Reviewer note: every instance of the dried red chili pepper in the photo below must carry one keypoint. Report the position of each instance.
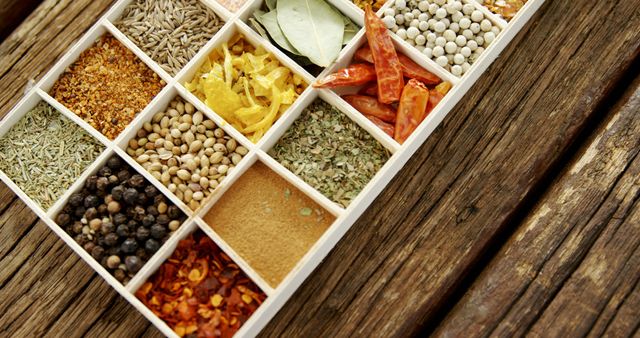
(388, 128)
(370, 106)
(385, 58)
(411, 110)
(354, 75)
(436, 95)
(370, 89)
(410, 69)
(199, 290)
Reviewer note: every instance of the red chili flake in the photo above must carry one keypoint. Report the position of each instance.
(200, 292)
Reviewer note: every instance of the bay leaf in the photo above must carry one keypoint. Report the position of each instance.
(350, 30)
(258, 27)
(271, 4)
(313, 27)
(270, 22)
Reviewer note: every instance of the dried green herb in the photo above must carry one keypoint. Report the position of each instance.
(330, 152)
(44, 153)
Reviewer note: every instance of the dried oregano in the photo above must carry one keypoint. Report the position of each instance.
(330, 152)
(44, 153)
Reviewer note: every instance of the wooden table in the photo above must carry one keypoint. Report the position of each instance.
(520, 215)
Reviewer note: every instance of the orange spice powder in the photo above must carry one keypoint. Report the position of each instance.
(268, 222)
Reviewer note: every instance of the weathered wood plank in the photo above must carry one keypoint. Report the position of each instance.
(13, 12)
(571, 268)
(402, 259)
(46, 288)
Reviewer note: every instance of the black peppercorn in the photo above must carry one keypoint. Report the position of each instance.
(148, 220)
(88, 246)
(136, 181)
(91, 201)
(119, 219)
(129, 246)
(104, 172)
(114, 163)
(113, 179)
(142, 199)
(77, 227)
(90, 184)
(123, 176)
(111, 239)
(142, 233)
(159, 199)
(132, 224)
(97, 252)
(108, 227)
(151, 245)
(102, 183)
(150, 191)
(173, 212)
(79, 211)
(80, 239)
(153, 210)
(117, 192)
(102, 209)
(122, 230)
(130, 196)
(76, 199)
(133, 263)
(163, 219)
(63, 219)
(91, 213)
(158, 231)
(120, 275)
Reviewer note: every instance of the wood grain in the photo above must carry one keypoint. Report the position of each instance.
(574, 264)
(13, 12)
(406, 255)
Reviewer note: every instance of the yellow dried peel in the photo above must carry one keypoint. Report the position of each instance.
(246, 86)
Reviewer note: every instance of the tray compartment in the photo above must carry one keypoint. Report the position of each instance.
(199, 289)
(311, 69)
(105, 85)
(269, 222)
(180, 140)
(315, 149)
(453, 37)
(44, 152)
(119, 217)
(253, 103)
(169, 32)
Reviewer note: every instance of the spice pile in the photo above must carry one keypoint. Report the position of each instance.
(310, 31)
(107, 86)
(44, 153)
(451, 33)
(187, 152)
(375, 4)
(246, 86)
(269, 222)
(200, 292)
(119, 218)
(396, 108)
(232, 5)
(170, 31)
(330, 152)
(506, 9)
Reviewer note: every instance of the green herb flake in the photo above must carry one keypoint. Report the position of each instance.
(306, 211)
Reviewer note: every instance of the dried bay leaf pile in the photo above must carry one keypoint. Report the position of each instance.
(311, 31)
